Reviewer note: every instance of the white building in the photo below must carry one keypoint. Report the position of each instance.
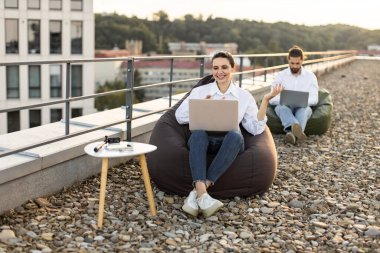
(36, 30)
(373, 47)
(109, 70)
(186, 48)
(159, 71)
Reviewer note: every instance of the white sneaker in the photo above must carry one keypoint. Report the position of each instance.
(208, 205)
(191, 206)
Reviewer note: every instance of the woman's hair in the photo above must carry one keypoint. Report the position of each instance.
(296, 51)
(226, 55)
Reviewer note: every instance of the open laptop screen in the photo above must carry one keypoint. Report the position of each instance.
(294, 98)
(213, 115)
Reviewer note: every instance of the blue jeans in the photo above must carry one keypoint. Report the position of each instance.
(226, 148)
(290, 115)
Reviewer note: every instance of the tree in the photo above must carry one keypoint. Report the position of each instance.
(251, 36)
(110, 101)
(161, 23)
(119, 99)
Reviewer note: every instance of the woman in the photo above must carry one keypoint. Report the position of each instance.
(226, 147)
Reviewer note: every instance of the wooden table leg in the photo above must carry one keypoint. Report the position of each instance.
(148, 187)
(102, 195)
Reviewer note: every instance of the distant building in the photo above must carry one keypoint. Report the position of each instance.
(109, 70)
(375, 47)
(134, 46)
(372, 50)
(185, 48)
(32, 30)
(159, 71)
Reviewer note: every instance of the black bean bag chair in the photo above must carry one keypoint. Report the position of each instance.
(319, 122)
(252, 172)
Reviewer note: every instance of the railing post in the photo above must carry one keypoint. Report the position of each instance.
(68, 95)
(202, 67)
(171, 79)
(254, 73)
(241, 70)
(265, 72)
(129, 97)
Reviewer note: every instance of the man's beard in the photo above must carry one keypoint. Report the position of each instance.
(295, 70)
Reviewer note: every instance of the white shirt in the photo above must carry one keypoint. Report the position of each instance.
(306, 81)
(247, 105)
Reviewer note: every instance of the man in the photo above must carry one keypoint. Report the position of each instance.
(295, 77)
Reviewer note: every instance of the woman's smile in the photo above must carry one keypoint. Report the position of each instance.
(222, 71)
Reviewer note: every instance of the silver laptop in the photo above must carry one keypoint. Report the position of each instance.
(294, 98)
(213, 115)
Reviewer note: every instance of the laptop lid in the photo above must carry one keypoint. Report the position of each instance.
(294, 98)
(213, 115)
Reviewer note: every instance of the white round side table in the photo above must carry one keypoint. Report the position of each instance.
(139, 149)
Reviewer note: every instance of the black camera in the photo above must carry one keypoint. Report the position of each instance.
(107, 140)
(112, 140)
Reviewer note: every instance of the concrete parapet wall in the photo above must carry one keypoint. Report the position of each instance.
(47, 169)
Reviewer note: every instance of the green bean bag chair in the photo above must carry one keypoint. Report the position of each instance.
(319, 122)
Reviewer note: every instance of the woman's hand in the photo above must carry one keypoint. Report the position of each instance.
(274, 92)
(264, 103)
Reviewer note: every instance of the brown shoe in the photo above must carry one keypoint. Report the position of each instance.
(297, 131)
(290, 138)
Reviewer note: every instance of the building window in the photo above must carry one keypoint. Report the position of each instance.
(33, 4)
(76, 37)
(55, 37)
(11, 36)
(76, 112)
(34, 118)
(34, 81)
(13, 82)
(11, 4)
(55, 4)
(55, 81)
(55, 115)
(76, 80)
(13, 121)
(76, 5)
(34, 36)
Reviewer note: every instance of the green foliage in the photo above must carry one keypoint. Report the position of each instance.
(111, 30)
(119, 99)
(110, 101)
(251, 36)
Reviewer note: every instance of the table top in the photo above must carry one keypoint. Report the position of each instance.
(138, 149)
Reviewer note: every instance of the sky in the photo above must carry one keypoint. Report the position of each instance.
(361, 13)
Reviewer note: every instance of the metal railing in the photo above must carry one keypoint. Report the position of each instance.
(130, 88)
